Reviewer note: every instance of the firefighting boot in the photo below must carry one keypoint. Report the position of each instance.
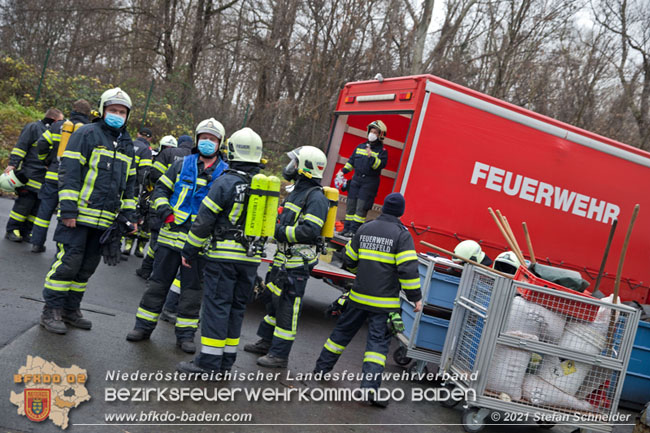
(168, 316)
(52, 321)
(138, 335)
(128, 245)
(14, 236)
(261, 347)
(373, 399)
(76, 319)
(139, 248)
(38, 249)
(186, 346)
(272, 361)
(191, 367)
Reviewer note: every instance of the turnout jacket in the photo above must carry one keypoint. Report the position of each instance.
(382, 255)
(221, 216)
(24, 156)
(142, 159)
(300, 223)
(167, 157)
(170, 198)
(362, 165)
(48, 145)
(97, 176)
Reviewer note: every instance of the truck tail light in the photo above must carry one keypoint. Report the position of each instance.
(405, 96)
(349, 99)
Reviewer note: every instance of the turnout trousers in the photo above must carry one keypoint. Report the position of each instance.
(361, 197)
(77, 257)
(280, 325)
(379, 336)
(49, 199)
(23, 213)
(228, 288)
(166, 264)
(147, 262)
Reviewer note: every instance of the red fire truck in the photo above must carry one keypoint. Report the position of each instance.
(454, 152)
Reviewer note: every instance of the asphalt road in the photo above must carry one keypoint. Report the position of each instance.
(111, 299)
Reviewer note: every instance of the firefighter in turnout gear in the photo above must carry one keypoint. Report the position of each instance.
(367, 161)
(230, 272)
(383, 257)
(48, 148)
(30, 171)
(298, 237)
(97, 177)
(143, 162)
(177, 197)
(171, 151)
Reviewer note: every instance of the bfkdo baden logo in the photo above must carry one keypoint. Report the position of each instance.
(50, 392)
(37, 404)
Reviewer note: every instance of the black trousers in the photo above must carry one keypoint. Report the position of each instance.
(166, 264)
(77, 257)
(280, 325)
(228, 287)
(23, 213)
(49, 197)
(377, 343)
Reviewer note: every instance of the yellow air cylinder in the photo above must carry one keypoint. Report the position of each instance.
(66, 131)
(332, 195)
(256, 206)
(272, 201)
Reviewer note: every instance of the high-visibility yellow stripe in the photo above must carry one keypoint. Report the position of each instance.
(292, 207)
(17, 217)
(376, 256)
(405, 256)
(333, 347)
(166, 181)
(210, 204)
(374, 301)
(411, 284)
(349, 251)
(284, 334)
(313, 218)
(375, 357)
(18, 152)
(212, 342)
(147, 315)
(41, 222)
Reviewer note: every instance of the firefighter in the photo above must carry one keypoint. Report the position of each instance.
(471, 250)
(30, 170)
(177, 197)
(171, 150)
(97, 177)
(298, 236)
(48, 147)
(230, 273)
(143, 162)
(367, 161)
(383, 257)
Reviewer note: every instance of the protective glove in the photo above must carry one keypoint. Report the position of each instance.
(280, 233)
(110, 243)
(340, 180)
(111, 240)
(337, 307)
(395, 323)
(169, 219)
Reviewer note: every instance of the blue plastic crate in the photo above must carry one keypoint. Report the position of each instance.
(432, 331)
(443, 289)
(636, 388)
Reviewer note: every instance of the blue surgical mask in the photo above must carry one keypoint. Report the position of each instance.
(207, 147)
(114, 121)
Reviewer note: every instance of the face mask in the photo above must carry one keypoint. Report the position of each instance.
(114, 121)
(372, 137)
(207, 147)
